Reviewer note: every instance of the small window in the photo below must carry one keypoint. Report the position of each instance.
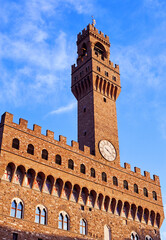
(58, 160)
(85, 133)
(104, 177)
(154, 195)
(114, 78)
(125, 185)
(82, 207)
(63, 222)
(83, 226)
(82, 169)
(71, 164)
(15, 143)
(145, 192)
(84, 109)
(45, 154)
(30, 149)
(16, 209)
(115, 181)
(135, 188)
(98, 69)
(40, 216)
(104, 99)
(106, 73)
(93, 173)
(15, 236)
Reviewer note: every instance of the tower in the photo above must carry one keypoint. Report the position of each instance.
(96, 86)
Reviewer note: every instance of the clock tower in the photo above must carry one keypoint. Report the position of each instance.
(96, 86)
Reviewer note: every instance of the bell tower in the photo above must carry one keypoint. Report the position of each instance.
(96, 86)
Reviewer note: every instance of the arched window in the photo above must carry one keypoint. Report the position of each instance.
(58, 159)
(154, 195)
(63, 222)
(134, 236)
(93, 173)
(71, 164)
(8, 174)
(83, 226)
(135, 188)
(99, 49)
(15, 143)
(115, 181)
(30, 149)
(41, 215)
(104, 177)
(17, 208)
(82, 169)
(145, 192)
(45, 154)
(148, 238)
(125, 184)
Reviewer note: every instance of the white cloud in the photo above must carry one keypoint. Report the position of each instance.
(64, 109)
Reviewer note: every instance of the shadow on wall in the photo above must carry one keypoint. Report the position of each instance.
(8, 233)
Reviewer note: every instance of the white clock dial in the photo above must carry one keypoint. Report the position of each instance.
(107, 150)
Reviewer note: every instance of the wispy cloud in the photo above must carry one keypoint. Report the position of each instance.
(64, 109)
(34, 53)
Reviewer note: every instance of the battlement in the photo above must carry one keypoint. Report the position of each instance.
(7, 119)
(114, 67)
(91, 29)
(137, 172)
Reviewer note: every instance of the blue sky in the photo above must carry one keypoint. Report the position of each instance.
(37, 49)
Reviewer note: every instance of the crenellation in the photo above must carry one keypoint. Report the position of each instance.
(23, 123)
(86, 149)
(62, 139)
(7, 118)
(36, 129)
(127, 166)
(50, 134)
(147, 174)
(156, 179)
(137, 170)
(75, 145)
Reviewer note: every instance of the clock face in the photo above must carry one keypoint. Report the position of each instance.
(107, 150)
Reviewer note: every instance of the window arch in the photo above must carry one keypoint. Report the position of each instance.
(134, 236)
(17, 208)
(8, 174)
(154, 195)
(30, 149)
(125, 185)
(83, 227)
(145, 192)
(16, 143)
(58, 159)
(148, 238)
(104, 177)
(71, 164)
(135, 188)
(92, 173)
(115, 181)
(82, 168)
(41, 215)
(63, 221)
(45, 154)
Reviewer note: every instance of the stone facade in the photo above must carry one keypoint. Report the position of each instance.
(65, 184)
